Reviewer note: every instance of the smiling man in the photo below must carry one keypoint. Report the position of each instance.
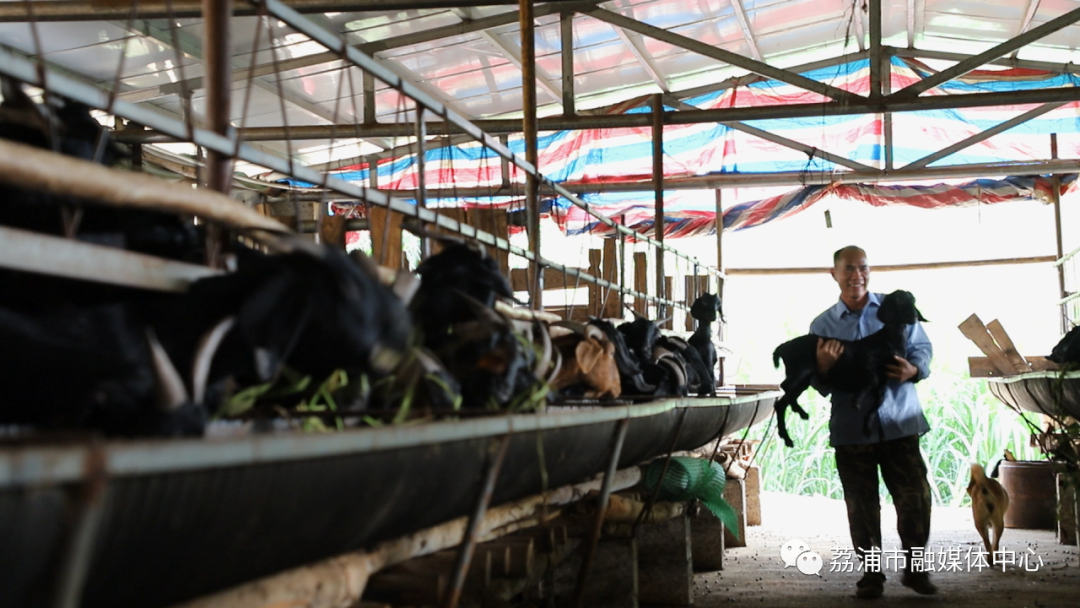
(893, 444)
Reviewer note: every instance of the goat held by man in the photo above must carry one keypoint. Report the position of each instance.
(860, 368)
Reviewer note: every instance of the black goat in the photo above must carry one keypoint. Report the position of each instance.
(860, 368)
(1067, 350)
(446, 280)
(630, 372)
(314, 310)
(663, 368)
(705, 310)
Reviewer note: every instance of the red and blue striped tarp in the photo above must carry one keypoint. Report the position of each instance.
(619, 155)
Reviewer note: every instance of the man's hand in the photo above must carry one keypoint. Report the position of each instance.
(900, 369)
(828, 352)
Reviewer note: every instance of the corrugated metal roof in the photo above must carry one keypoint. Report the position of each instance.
(478, 73)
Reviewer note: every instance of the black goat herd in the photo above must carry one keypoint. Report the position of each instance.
(308, 328)
(301, 329)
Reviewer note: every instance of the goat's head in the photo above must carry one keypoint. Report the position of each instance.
(899, 307)
(706, 308)
(641, 335)
(588, 359)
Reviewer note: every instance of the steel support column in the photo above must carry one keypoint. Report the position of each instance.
(658, 193)
(528, 125)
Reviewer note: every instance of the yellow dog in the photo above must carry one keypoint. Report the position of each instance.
(989, 501)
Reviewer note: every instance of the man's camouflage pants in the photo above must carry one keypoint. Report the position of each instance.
(904, 472)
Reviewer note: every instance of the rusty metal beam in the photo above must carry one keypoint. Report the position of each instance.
(967, 65)
(96, 10)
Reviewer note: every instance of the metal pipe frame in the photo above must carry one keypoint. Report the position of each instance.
(89, 10)
(622, 121)
(368, 48)
(22, 69)
(644, 515)
(528, 126)
(787, 178)
(217, 20)
(472, 529)
(965, 66)
(66, 463)
(758, 67)
(658, 192)
(337, 43)
(601, 508)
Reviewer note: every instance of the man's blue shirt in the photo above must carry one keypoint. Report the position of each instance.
(900, 414)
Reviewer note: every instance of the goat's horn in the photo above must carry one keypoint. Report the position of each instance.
(545, 355)
(170, 387)
(482, 311)
(204, 356)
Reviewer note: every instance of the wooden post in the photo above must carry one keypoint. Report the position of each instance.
(595, 295)
(668, 290)
(641, 281)
(493, 221)
(332, 231)
(612, 304)
(385, 227)
(720, 237)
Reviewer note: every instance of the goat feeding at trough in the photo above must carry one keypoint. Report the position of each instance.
(589, 362)
(860, 370)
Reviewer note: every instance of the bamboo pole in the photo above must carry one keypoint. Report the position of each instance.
(42, 170)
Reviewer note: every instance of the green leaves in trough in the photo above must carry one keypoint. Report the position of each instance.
(693, 479)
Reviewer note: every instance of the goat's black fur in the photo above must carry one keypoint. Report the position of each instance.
(1067, 350)
(669, 376)
(860, 368)
(705, 310)
(458, 269)
(641, 335)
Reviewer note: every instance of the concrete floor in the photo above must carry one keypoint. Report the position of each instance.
(756, 575)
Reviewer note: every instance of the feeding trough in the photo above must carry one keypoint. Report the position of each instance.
(152, 523)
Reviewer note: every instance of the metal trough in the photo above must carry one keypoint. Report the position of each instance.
(1054, 393)
(152, 523)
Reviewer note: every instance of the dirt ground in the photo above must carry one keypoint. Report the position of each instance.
(756, 574)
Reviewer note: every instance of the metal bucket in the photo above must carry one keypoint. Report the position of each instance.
(1032, 495)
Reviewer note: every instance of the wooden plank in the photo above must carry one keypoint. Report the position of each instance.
(669, 283)
(1005, 342)
(982, 367)
(553, 279)
(641, 281)
(332, 231)
(612, 304)
(385, 236)
(595, 301)
(973, 328)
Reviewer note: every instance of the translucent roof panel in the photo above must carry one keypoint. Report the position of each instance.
(477, 72)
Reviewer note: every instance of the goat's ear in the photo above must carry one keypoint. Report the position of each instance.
(588, 353)
(919, 315)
